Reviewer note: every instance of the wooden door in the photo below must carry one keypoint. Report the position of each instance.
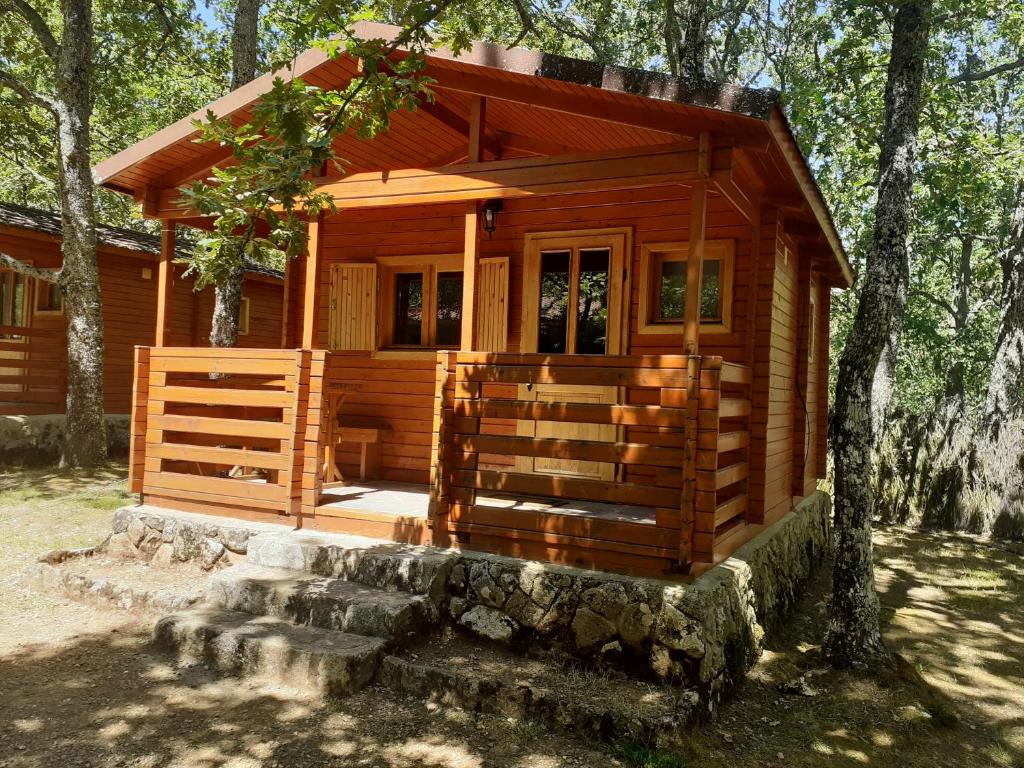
(14, 306)
(574, 292)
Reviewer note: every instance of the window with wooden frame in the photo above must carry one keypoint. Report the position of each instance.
(662, 305)
(243, 316)
(421, 302)
(49, 299)
(14, 293)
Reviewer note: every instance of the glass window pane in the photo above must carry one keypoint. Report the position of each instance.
(409, 308)
(18, 313)
(554, 301)
(592, 311)
(449, 309)
(672, 290)
(710, 291)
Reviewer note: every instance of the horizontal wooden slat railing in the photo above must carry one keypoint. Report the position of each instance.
(230, 442)
(477, 410)
(33, 371)
(721, 501)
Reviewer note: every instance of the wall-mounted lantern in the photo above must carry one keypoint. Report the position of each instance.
(490, 211)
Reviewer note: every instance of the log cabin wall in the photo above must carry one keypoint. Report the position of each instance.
(129, 308)
(404, 396)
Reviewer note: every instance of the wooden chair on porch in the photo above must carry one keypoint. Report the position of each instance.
(367, 433)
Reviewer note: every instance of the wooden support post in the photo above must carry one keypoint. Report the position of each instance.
(165, 281)
(440, 451)
(695, 268)
(285, 302)
(310, 297)
(471, 252)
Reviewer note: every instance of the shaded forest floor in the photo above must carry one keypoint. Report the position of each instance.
(79, 687)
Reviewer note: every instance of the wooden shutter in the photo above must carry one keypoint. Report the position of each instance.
(492, 307)
(353, 320)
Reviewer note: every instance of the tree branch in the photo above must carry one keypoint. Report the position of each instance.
(39, 26)
(972, 77)
(10, 81)
(13, 264)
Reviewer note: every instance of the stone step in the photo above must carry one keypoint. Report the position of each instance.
(318, 660)
(562, 698)
(321, 601)
(387, 566)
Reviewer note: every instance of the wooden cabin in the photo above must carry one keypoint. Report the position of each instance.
(32, 323)
(566, 311)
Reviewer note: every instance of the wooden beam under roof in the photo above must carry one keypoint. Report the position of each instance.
(631, 168)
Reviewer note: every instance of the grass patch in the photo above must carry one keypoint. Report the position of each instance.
(642, 756)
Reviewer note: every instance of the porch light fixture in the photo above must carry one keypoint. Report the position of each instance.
(490, 211)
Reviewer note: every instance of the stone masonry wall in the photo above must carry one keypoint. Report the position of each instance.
(705, 634)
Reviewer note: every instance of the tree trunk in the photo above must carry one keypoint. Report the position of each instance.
(1005, 399)
(686, 48)
(86, 443)
(227, 299)
(854, 634)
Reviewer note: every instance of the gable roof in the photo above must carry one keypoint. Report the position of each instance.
(539, 100)
(49, 223)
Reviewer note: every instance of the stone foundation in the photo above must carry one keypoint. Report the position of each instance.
(705, 634)
(38, 440)
(702, 636)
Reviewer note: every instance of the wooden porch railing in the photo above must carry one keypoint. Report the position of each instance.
(232, 443)
(659, 443)
(33, 371)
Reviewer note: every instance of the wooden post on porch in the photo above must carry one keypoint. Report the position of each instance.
(285, 302)
(691, 346)
(471, 251)
(165, 281)
(310, 298)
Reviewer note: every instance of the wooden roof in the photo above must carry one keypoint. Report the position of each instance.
(537, 103)
(17, 218)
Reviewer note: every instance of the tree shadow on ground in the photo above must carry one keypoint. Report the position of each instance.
(952, 607)
(108, 700)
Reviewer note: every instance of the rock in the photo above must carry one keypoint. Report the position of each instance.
(487, 591)
(636, 625)
(120, 545)
(211, 553)
(613, 647)
(163, 557)
(188, 542)
(679, 632)
(457, 577)
(457, 606)
(508, 582)
(590, 629)
(523, 609)
(153, 521)
(150, 543)
(136, 531)
(170, 529)
(560, 613)
(122, 518)
(542, 590)
(489, 623)
(606, 600)
(235, 539)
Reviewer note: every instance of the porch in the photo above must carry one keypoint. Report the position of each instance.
(495, 451)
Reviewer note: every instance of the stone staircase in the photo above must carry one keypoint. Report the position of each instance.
(311, 613)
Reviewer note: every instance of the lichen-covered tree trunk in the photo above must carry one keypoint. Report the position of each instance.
(79, 276)
(853, 634)
(686, 43)
(1005, 399)
(227, 300)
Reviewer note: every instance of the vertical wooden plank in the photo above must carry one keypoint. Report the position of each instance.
(285, 302)
(469, 270)
(686, 506)
(822, 354)
(492, 335)
(292, 478)
(137, 439)
(801, 376)
(165, 279)
(310, 297)
(695, 268)
(440, 485)
(314, 443)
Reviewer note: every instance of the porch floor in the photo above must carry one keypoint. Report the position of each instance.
(409, 500)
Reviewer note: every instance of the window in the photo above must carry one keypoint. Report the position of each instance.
(573, 292)
(423, 301)
(663, 295)
(48, 297)
(243, 317)
(14, 290)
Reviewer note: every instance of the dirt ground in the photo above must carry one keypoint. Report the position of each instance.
(79, 686)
